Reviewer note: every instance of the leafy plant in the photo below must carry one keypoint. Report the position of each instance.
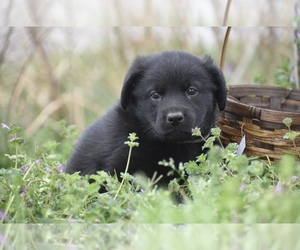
(217, 186)
(291, 135)
(37, 189)
(260, 79)
(284, 75)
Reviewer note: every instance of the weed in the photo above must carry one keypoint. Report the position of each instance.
(218, 186)
(291, 135)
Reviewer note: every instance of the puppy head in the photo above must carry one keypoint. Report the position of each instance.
(173, 92)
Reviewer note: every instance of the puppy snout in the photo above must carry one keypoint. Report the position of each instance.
(175, 118)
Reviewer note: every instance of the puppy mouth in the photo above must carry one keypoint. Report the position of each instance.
(179, 136)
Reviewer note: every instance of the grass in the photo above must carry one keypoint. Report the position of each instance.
(37, 190)
(220, 188)
(153, 236)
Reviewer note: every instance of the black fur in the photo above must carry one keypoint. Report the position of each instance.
(164, 96)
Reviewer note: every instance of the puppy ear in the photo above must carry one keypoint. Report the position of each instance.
(221, 93)
(219, 80)
(134, 74)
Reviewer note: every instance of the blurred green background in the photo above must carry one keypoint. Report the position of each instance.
(68, 60)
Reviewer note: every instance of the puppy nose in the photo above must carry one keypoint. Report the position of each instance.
(175, 118)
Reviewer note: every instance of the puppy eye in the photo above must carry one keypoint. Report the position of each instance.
(155, 96)
(192, 91)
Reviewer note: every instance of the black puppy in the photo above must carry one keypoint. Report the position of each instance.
(164, 97)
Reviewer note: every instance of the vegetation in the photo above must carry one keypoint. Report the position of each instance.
(219, 187)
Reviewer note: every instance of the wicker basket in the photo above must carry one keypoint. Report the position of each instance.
(257, 112)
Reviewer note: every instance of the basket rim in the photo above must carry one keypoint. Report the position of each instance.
(268, 115)
(255, 86)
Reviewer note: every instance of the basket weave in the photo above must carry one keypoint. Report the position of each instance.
(257, 112)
